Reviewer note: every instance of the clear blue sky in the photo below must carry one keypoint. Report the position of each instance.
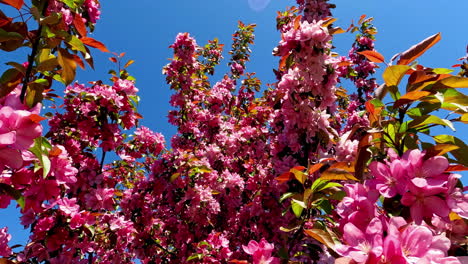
(145, 28)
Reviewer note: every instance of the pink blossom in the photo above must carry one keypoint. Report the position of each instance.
(361, 245)
(92, 6)
(5, 250)
(424, 202)
(260, 252)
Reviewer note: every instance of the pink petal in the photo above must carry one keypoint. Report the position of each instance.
(8, 138)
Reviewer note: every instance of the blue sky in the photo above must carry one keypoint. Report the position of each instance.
(145, 28)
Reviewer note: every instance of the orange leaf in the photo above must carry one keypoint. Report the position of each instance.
(78, 61)
(36, 118)
(361, 19)
(79, 25)
(373, 56)
(297, 22)
(94, 43)
(417, 50)
(344, 63)
(347, 166)
(457, 167)
(410, 97)
(14, 3)
(284, 177)
(130, 62)
(315, 168)
(337, 174)
(439, 149)
(113, 59)
(238, 261)
(299, 168)
(55, 152)
(321, 236)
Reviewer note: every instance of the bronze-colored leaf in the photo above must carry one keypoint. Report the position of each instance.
(410, 97)
(321, 236)
(79, 25)
(417, 50)
(9, 80)
(439, 149)
(94, 43)
(14, 3)
(372, 55)
(68, 65)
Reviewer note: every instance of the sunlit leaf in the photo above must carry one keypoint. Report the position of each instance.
(284, 177)
(439, 149)
(393, 74)
(410, 97)
(417, 50)
(79, 25)
(456, 167)
(372, 55)
(14, 3)
(76, 43)
(321, 236)
(297, 207)
(429, 120)
(461, 154)
(452, 82)
(130, 62)
(337, 174)
(299, 175)
(94, 43)
(68, 65)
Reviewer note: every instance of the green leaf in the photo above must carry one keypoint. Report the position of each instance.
(198, 256)
(76, 43)
(285, 196)
(329, 185)
(41, 150)
(442, 71)
(461, 154)
(297, 207)
(429, 120)
(69, 3)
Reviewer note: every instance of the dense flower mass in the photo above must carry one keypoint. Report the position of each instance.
(307, 173)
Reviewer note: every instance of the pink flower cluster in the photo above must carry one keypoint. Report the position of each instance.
(18, 129)
(422, 184)
(261, 252)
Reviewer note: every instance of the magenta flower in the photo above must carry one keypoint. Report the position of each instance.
(360, 246)
(426, 173)
(5, 250)
(390, 179)
(424, 202)
(260, 252)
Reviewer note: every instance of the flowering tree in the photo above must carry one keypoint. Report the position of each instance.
(308, 172)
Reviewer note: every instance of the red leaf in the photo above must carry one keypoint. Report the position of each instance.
(36, 118)
(373, 56)
(94, 43)
(14, 3)
(299, 168)
(79, 25)
(315, 168)
(113, 59)
(284, 177)
(457, 167)
(78, 61)
(55, 152)
(417, 50)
